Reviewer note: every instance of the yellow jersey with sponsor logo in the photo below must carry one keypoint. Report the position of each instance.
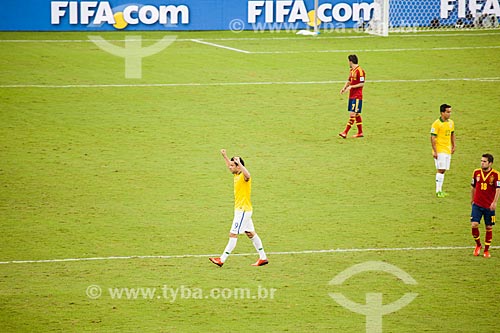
(442, 130)
(242, 191)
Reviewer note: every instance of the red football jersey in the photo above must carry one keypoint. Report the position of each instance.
(356, 75)
(485, 187)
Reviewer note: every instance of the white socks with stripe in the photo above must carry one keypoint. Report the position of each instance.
(231, 244)
(258, 246)
(439, 181)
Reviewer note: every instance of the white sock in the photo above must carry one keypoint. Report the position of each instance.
(257, 242)
(231, 244)
(439, 181)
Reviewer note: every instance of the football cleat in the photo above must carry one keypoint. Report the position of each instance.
(487, 254)
(343, 135)
(441, 194)
(216, 261)
(261, 262)
(359, 135)
(477, 250)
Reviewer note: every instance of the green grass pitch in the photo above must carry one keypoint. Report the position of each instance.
(93, 164)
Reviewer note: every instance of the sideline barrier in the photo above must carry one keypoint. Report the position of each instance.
(234, 15)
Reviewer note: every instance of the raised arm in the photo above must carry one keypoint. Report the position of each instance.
(244, 170)
(226, 159)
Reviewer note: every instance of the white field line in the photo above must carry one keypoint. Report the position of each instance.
(419, 34)
(384, 50)
(219, 46)
(181, 256)
(318, 38)
(225, 84)
(204, 41)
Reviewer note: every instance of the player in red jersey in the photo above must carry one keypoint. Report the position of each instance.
(484, 196)
(354, 85)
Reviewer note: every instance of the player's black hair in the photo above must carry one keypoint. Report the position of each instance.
(353, 58)
(443, 107)
(241, 160)
(489, 157)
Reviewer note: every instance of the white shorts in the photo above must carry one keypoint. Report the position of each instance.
(443, 161)
(242, 222)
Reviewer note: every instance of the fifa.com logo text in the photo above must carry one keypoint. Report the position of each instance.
(173, 294)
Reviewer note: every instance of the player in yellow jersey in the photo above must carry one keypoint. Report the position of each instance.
(443, 145)
(242, 222)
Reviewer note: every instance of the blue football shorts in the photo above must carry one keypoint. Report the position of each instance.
(478, 212)
(355, 105)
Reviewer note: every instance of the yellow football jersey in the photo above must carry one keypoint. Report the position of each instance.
(242, 191)
(442, 130)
